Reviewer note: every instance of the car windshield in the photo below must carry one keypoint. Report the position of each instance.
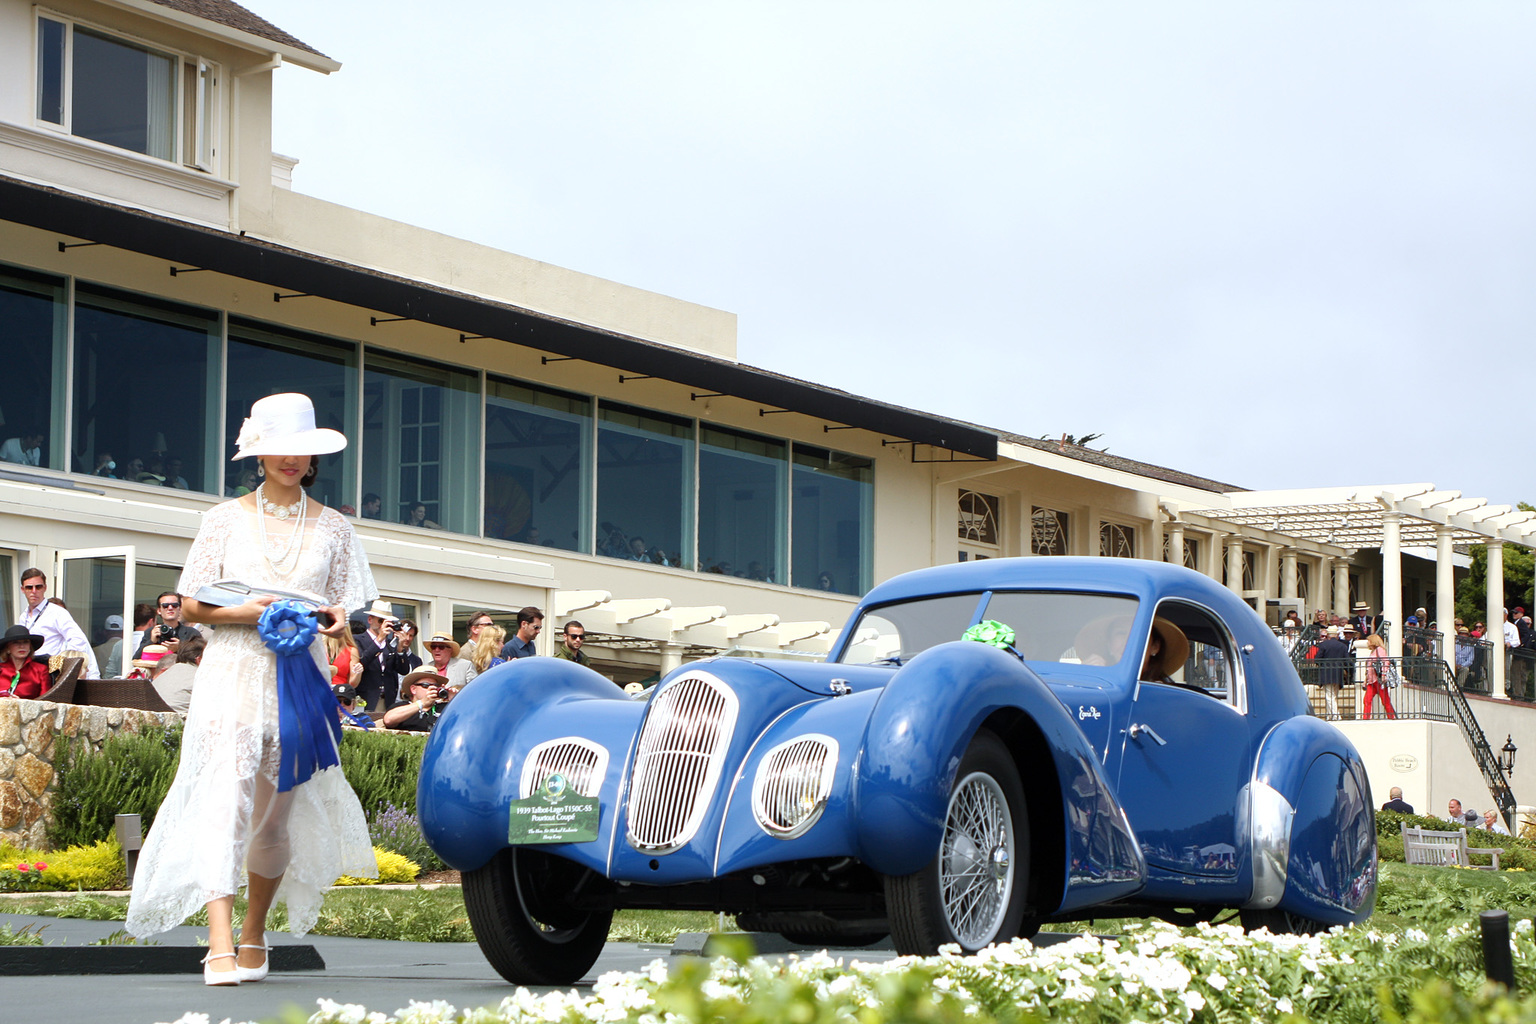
(1070, 628)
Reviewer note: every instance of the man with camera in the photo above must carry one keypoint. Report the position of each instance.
(381, 657)
(170, 630)
(429, 694)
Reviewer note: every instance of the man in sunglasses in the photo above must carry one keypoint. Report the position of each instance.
(59, 630)
(170, 630)
(570, 644)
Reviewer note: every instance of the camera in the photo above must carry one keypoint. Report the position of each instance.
(164, 633)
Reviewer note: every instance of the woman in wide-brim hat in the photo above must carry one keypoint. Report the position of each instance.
(224, 819)
(22, 675)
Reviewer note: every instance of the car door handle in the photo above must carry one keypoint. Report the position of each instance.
(1137, 729)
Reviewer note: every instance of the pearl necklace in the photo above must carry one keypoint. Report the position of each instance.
(273, 508)
(288, 558)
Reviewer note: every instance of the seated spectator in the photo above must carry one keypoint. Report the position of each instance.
(1493, 823)
(22, 675)
(429, 692)
(143, 616)
(416, 515)
(26, 450)
(349, 707)
(173, 477)
(144, 664)
(487, 651)
(244, 484)
(111, 632)
(105, 465)
(372, 506)
(154, 472)
(175, 673)
(456, 672)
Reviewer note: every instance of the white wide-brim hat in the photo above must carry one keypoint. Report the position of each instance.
(285, 425)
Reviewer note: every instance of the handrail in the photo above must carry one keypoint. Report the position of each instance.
(1487, 761)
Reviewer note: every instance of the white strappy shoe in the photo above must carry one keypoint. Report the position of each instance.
(213, 977)
(254, 973)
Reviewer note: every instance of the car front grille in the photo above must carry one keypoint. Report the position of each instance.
(678, 761)
(582, 763)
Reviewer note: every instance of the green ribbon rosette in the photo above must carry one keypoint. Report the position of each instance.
(988, 632)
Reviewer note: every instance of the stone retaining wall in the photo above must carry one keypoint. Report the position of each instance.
(28, 743)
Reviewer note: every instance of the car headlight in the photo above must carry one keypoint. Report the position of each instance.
(793, 782)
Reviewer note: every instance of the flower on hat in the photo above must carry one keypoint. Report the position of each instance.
(250, 433)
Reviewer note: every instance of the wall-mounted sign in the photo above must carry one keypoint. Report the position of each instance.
(1404, 763)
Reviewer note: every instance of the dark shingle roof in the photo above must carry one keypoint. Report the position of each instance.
(232, 15)
(1108, 461)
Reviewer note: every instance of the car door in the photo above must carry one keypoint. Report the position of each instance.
(1186, 757)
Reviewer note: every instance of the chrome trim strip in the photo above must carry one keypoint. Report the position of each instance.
(1271, 816)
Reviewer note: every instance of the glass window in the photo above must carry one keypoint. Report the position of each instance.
(978, 517)
(832, 520)
(896, 633)
(462, 613)
(644, 486)
(123, 95)
(538, 485)
(146, 388)
(1191, 554)
(1086, 629)
(265, 360)
(50, 70)
(1048, 532)
(1117, 540)
(743, 504)
(421, 436)
(35, 319)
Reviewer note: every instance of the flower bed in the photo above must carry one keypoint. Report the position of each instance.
(1155, 972)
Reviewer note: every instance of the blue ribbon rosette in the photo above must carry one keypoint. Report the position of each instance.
(308, 728)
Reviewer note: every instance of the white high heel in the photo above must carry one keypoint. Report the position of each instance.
(213, 977)
(254, 973)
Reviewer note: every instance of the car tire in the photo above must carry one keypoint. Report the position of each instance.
(986, 839)
(519, 908)
(1280, 922)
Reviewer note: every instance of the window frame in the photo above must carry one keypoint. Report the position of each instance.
(195, 146)
(1237, 681)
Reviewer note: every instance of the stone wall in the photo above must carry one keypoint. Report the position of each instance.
(29, 732)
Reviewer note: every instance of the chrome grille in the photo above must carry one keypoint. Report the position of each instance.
(793, 783)
(582, 762)
(678, 761)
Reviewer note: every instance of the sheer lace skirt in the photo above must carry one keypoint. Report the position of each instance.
(202, 835)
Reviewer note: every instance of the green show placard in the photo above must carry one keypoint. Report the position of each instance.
(555, 814)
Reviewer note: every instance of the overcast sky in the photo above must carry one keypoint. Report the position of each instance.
(1279, 246)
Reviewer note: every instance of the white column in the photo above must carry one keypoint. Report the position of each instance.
(1392, 579)
(1493, 614)
(1445, 594)
(1235, 565)
(1176, 543)
(1340, 570)
(1287, 572)
(671, 657)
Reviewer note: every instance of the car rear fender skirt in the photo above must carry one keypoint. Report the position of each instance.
(470, 768)
(919, 730)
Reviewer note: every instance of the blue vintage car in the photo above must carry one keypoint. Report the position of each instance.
(1118, 738)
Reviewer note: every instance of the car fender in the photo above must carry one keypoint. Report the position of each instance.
(471, 766)
(1313, 827)
(918, 731)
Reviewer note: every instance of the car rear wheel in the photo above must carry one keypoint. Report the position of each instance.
(973, 891)
(1280, 922)
(519, 907)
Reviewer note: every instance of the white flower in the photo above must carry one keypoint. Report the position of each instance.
(1217, 982)
(1284, 1005)
(191, 1018)
(250, 433)
(1079, 993)
(1194, 1000)
(1416, 935)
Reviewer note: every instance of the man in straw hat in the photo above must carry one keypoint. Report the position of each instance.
(446, 661)
(428, 693)
(380, 653)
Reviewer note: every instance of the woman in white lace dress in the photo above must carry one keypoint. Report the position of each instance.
(224, 817)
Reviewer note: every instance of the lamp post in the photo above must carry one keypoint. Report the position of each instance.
(1507, 756)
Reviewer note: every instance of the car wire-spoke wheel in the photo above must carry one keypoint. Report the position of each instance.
(973, 891)
(976, 860)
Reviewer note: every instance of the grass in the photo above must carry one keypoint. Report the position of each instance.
(410, 915)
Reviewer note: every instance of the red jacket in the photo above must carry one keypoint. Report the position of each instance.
(32, 684)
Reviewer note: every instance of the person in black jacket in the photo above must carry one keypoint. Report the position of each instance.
(381, 657)
(1333, 652)
(1397, 803)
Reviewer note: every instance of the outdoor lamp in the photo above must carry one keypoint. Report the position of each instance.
(1507, 756)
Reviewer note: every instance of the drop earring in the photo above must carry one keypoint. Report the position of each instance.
(261, 470)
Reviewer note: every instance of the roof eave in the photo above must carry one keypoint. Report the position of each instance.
(236, 37)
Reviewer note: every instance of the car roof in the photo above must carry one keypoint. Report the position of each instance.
(1134, 576)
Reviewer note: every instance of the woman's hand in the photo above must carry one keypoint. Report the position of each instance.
(338, 621)
(355, 673)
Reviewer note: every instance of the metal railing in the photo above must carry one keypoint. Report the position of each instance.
(1520, 674)
(1474, 676)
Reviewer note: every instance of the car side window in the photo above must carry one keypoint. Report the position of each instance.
(1208, 666)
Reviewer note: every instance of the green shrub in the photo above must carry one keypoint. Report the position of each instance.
(1518, 852)
(130, 775)
(397, 829)
(382, 768)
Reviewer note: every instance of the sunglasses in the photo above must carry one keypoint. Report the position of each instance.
(34, 586)
(575, 636)
(168, 604)
(438, 647)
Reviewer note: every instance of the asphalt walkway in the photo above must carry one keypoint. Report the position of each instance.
(379, 974)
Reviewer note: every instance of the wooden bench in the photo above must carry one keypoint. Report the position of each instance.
(1445, 849)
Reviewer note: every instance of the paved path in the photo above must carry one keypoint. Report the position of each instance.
(379, 974)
